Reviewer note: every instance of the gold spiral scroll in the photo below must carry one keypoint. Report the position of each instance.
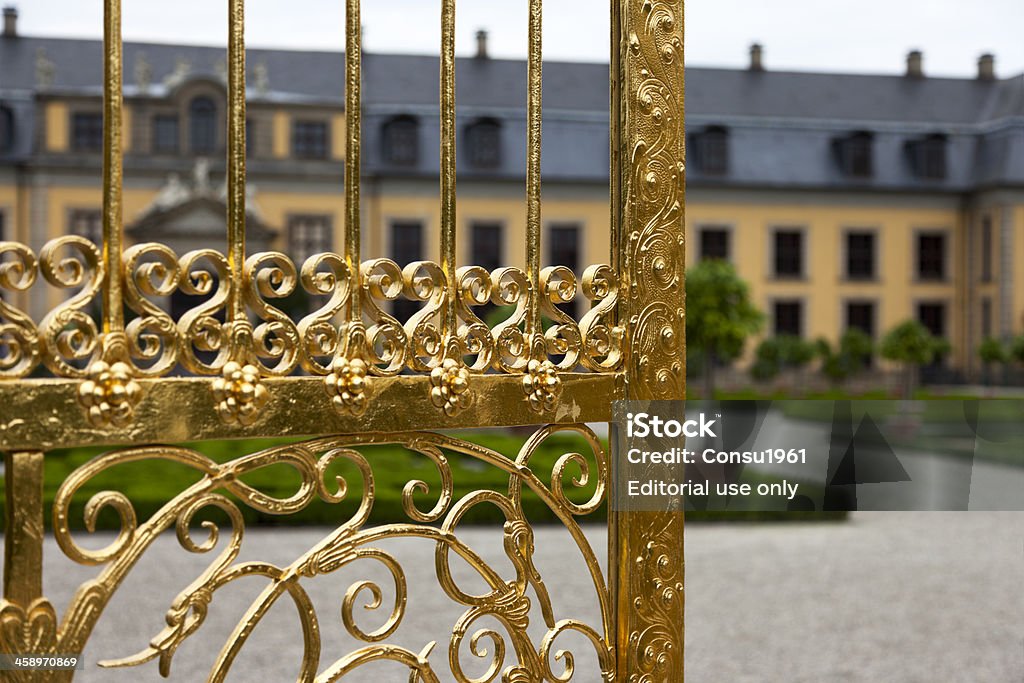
(20, 346)
(501, 593)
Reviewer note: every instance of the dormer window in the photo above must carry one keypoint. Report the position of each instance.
(483, 140)
(854, 154)
(87, 131)
(401, 141)
(927, 157)
(6, 129)
(203, 115)
(711, 150)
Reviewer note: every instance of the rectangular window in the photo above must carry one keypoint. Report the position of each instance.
(931, 256)
(406, 242)
(565, 245)
(309, 139)
(933, 317)
(986, 318)
(487, 243)
(308, 235)
(788, 317)
(860, 255)
(789, 253)
(565, 251)
(714, 244)
(986, 249)
(860, 315)
(87, 132)
(87, 223)
(165, 134)
(406, 248)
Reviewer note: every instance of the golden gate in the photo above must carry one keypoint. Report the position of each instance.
(349, 374)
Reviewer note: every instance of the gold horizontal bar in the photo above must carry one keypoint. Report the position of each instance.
(175, 410)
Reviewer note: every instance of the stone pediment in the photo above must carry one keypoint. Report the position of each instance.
(197, 217)
(194, 214)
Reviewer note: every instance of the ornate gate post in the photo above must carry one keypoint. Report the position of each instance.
(648, 174)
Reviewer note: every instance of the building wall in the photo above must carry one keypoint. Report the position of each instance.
(57, 184)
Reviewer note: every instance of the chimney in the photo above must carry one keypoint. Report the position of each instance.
(756, 57)
(987, 68)
(10, 21)
(481, 44)
(915, 64)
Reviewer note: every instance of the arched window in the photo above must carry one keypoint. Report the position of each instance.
(401, 141)
(483, 141)
(6, 129)
(203, 118)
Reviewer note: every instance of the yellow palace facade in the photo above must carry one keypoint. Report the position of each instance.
(843, 200)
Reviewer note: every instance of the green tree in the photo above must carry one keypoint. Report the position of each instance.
(719, 316)
(992, 352)
(1017, 349)
(851, 356)
(785, 352)
(912, 345)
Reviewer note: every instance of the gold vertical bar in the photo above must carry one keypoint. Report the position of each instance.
(23, 521)
(113, 219)
(353, 110)
(236, 154)
(616, 520)
(646, 548)
(533, 135)
(448, 237)
(615, 142)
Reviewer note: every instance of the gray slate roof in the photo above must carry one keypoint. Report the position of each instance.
(769, 113)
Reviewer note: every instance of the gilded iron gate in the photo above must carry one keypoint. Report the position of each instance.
(349, 374)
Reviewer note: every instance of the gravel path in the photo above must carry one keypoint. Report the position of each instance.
(885, 597)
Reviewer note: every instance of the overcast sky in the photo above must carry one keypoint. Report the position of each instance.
(831, 35)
